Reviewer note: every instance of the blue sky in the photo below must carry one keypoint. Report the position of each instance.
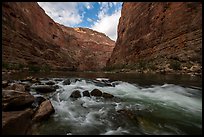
(99, 16)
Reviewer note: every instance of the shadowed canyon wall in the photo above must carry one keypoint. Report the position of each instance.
(158, 35)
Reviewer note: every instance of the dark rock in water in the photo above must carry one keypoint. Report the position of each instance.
(4, 84)
(16, 100)
(86, 93)
(38, 101)
(128, 114)
(75, 94)
(44, 88)
(27, 87)
(50, 83)
(35, 80)
(16, 86)
(66, 82)
(56, 87)
(58, 79)
(96, 93)
(44, 111)
(107, 95)
(16, 122)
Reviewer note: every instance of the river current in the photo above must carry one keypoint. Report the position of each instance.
(150, 104)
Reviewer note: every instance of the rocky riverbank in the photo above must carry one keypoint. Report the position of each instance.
(20, 109)
(25, 102)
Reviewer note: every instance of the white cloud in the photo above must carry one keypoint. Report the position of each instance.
(108, 24)
(66, 13)
(72, 13)
(88, 5)
(90, 20)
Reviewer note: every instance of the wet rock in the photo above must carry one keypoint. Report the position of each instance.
(58, 79)
(44, 111)
(4, 84)
(16, 122)
(50, 83)
(86, 93)
(131, 115)
(75, 94)
(44, 88)
(96, 92)
(107, 95)
(27, 87)
(16, 100)
(27, 79)
(16, 86)
(56, 87)
(37, 101)
(35, 80)
(66, 82)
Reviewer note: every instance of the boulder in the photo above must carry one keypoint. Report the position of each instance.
(196, 68)
(107, 95)
(75, 94)
(16, 100)
(50, 83)
(16, 122)
(44, 88)
(96, 92)
(16, 86)
(4, 84)
(86, 93)
(66, 82)
(38, 101)
(44, 111)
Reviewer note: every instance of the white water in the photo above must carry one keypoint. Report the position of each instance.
(161, 109)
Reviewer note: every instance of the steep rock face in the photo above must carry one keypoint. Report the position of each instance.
(90, 48)
(30, 37)
(156, 34)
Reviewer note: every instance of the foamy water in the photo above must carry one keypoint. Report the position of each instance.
(159, 109)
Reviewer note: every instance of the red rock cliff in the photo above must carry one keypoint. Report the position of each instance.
(156, 34)
(30, 37)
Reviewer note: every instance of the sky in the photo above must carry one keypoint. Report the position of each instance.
(100, 16)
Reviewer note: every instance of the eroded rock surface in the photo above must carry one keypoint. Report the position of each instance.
(152, 35)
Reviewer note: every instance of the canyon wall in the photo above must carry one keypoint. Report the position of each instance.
(31, 38)
(159, 36)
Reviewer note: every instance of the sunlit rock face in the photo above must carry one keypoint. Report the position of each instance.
(30, 37)
(158, 33)
(90, 48)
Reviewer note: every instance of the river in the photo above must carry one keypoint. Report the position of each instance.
(153, 104)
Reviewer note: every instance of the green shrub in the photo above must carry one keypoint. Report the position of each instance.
(175, 65)
(46, 68)
(142, 64)
(33, 68)
(11, 66)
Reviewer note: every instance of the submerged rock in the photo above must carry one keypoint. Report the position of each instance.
(107, 95)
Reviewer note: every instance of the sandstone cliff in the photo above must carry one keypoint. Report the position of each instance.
(159, 36)
(30, 37)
